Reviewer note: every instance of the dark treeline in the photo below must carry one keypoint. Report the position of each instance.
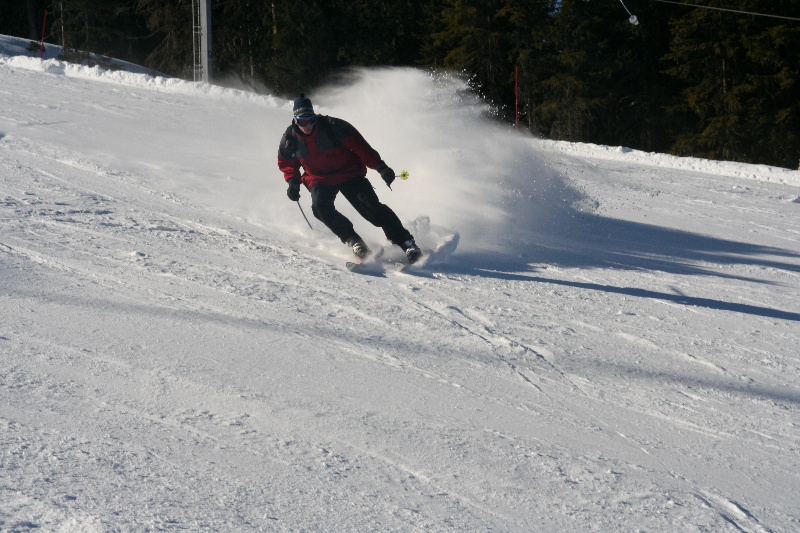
(688, 81)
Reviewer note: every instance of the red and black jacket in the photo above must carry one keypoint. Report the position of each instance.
(333, 153)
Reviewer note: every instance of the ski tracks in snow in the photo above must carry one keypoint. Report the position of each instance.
(731, 512)
(460, 310)
(173, 366)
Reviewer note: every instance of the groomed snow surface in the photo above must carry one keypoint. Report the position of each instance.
(601, 339)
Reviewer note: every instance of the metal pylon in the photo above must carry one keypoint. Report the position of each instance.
(197, 38)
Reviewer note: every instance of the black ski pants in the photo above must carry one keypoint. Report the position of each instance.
(361, 195)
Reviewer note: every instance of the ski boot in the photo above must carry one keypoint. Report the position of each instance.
(413, 253)
(359, 246)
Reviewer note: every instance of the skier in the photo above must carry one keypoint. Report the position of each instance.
(335, 157)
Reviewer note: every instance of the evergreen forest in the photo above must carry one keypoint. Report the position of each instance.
(718, 79)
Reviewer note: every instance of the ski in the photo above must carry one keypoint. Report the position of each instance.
(352, 265)
(398, 265)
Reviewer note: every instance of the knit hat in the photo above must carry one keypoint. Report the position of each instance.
(302, 106)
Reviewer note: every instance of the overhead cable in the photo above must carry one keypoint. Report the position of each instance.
(729, 10)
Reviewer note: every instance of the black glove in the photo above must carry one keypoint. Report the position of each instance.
(386, 173)
(293, 192)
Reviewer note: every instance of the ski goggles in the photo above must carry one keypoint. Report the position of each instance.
(306, 121)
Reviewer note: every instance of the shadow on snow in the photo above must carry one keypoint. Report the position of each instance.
(591, 241)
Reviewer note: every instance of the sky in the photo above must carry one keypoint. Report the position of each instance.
(599, 339)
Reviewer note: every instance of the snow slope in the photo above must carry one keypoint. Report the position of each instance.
(612, 346)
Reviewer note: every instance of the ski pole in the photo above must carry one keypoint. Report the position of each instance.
(304, 215)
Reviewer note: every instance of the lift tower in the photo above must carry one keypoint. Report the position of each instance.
(201, 39)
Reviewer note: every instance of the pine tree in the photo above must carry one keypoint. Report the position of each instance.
(241, 35)
(741, 93)
(22, 19)
(375, 32)
(302, 43)
(475, 40)
(593, 72)
(88, 29)
(170, 24)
